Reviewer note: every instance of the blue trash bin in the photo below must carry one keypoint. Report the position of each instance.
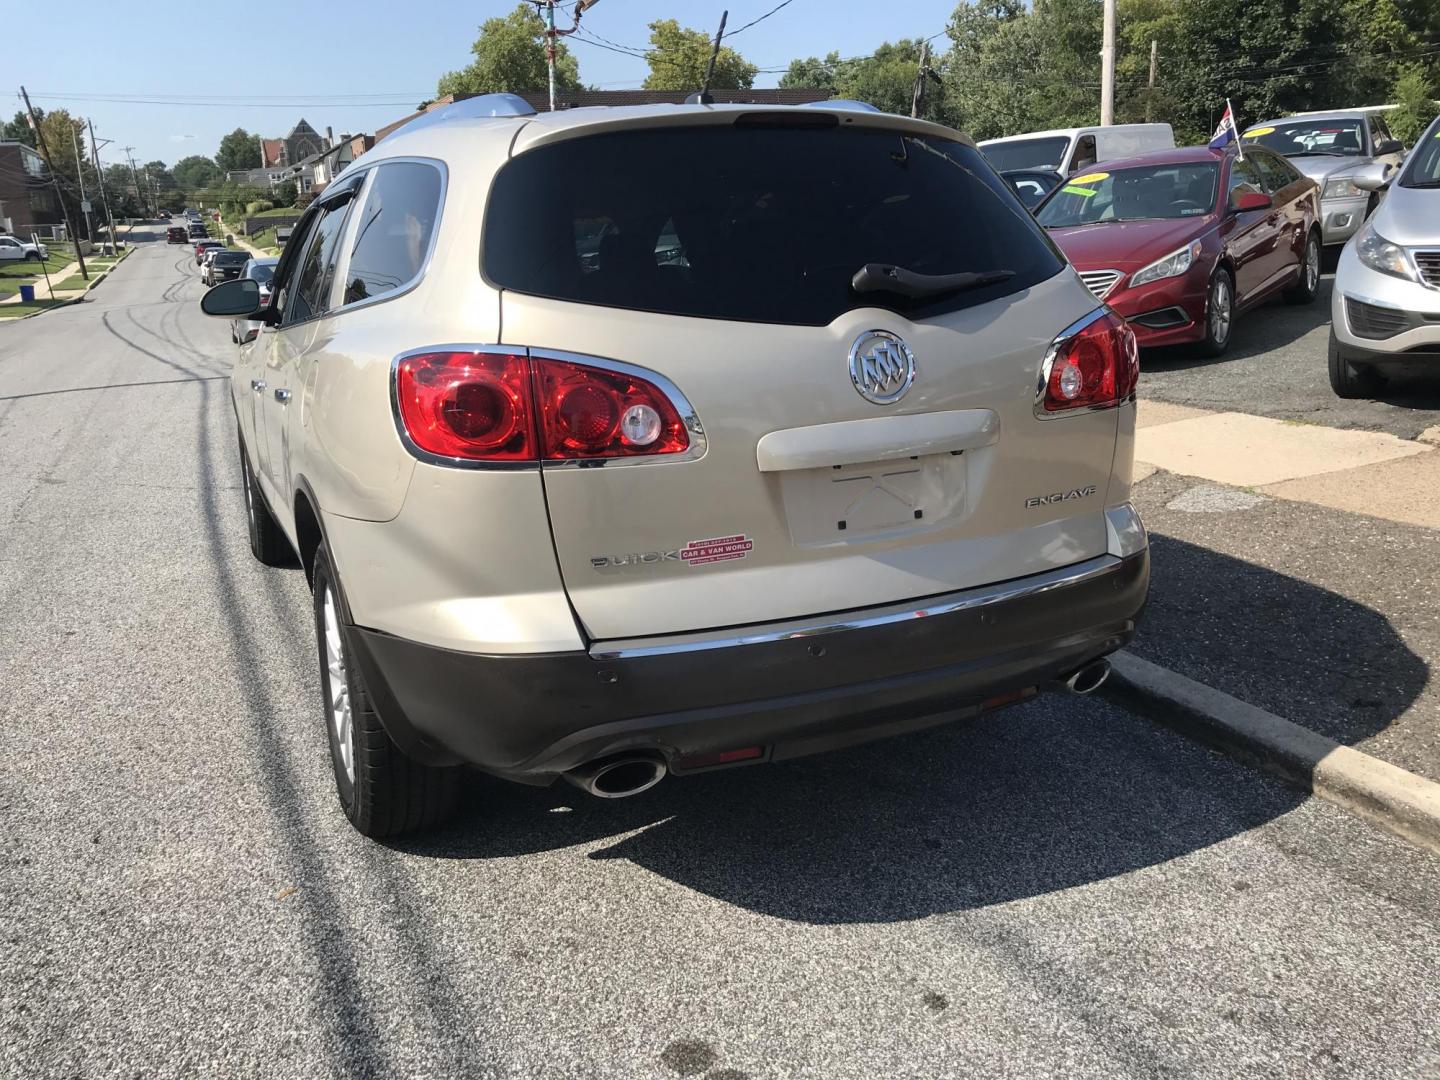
(27, 294)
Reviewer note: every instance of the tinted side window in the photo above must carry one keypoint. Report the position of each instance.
(756, 223)
(1084, 154)
(311, 294)
(395, 228)
(1244, 176)
(1273, 174)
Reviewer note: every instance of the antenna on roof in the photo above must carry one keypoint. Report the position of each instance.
(703, 97)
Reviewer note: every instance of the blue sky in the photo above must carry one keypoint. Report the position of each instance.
(271, 63)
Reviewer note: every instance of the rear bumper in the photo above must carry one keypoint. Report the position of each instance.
(862, 676)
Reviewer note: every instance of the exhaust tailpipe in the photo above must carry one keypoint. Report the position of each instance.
(618, 776)
(1089, 678)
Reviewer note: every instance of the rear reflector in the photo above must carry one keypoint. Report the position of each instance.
(514, 407)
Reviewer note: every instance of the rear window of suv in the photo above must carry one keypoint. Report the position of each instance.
(759, 224)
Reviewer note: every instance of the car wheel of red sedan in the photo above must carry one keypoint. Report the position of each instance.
(1219, 314)
(1308, 286)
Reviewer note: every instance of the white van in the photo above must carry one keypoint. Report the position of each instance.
(1067, 150)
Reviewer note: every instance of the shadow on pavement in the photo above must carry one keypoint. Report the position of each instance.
(1273, 325)
(1058, 793)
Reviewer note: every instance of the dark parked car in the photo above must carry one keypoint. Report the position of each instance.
(1180, 241)
(197, 231)
(225, 265)
(1032, 185)
(176, 234)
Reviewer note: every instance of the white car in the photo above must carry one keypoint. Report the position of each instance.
(621, 442)
(13, 249)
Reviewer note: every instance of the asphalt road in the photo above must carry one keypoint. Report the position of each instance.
(1276, 367)
(1058, 890)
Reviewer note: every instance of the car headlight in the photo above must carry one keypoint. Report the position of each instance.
(1341, 188)
(1172, 265)
(1380, 254)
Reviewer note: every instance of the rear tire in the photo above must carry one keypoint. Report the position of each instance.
(267, 539)
(1350, 380)
(1308, 286)
(1219, 314)
(382, 791)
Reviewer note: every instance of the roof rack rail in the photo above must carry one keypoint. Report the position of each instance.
(475, 108)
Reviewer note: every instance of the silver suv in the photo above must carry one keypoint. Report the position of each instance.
(1332, 148)
(632, 441)
(1385, 308)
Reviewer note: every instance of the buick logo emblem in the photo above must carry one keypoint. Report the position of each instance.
(882, 367)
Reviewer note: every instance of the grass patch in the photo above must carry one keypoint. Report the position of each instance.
(75, 281)
(29, 268)
(15, 311)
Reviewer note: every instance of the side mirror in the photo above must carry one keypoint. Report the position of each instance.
(230, 299)
(1385, 147)
(1252, 200)
(1373, 177)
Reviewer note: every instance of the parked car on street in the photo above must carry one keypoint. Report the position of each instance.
(206, 245)
(13, 249)
(790, 467)
(261, 271)
(1179, 242)
(177, 234)
(223, 264)
(1068, 150)
(1331, 148)
(198, 231)
(1032, 185)
(1385, 307)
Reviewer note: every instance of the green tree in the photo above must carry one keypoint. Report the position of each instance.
(678, 56)
(285, 194)
(813, 73)
(195, 172)
(238, 150)
(19, 130)
(1414, 93)
(510, 56)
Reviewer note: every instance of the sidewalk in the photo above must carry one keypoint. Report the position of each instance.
(1295, 568)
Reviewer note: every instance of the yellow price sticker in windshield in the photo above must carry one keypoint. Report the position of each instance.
(1086, 192)
(1090, 178)
(1255, 133)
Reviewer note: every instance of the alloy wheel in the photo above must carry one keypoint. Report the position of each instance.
(1220, 313)
(1312, 264)
(338, 703)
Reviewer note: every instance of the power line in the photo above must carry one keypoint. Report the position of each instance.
(762, 18)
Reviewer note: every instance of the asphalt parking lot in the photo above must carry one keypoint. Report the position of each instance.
(1060, 889)
(1276, 367)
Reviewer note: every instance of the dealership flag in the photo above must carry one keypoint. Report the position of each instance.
(1226, 132)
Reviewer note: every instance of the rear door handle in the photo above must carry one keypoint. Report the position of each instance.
(257, 385)
(282, 395)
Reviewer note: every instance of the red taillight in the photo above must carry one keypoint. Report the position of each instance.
(1097, 366)
(588, 412)
(502, 407)
(467, 405)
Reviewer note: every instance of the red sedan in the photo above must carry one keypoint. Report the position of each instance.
(1181, 241)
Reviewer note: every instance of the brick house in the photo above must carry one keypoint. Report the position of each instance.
(26, 197)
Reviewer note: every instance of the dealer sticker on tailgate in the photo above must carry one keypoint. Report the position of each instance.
(719, 549)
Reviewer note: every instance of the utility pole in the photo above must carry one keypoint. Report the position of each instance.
(917, 96)
(705, 98)
(135, 177)
(1150, 92)
(551, 34)
(1107, 66)
(80, 175)
(104, 196)
(55, 178)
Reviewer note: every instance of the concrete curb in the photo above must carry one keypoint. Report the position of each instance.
(1398, 801)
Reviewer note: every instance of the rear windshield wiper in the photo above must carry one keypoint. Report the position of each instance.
(886, 277)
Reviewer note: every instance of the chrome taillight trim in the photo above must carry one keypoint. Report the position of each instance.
(696, 450)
